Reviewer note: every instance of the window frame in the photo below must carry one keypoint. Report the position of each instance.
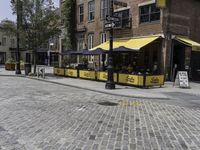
(104, 8)
(90, 43)
(149, 14)
(103, 37)
(91, 12)
(4, 41)
(81, 14)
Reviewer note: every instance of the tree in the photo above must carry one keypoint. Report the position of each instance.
(39, 22)
(69, 23)
(9, 27)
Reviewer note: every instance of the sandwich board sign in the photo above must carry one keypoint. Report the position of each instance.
(182, 79)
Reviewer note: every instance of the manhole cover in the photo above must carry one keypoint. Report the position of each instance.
(107, 103)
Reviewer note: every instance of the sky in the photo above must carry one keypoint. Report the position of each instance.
(6, 12)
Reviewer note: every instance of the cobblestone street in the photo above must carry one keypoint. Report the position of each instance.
(35, 115)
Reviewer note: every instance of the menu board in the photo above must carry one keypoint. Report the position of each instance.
(182, 79)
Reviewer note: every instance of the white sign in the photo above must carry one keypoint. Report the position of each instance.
(109, 25)
(182, 79)
(109, 18)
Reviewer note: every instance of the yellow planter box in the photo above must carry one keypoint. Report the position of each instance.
(131, 79)
(59, 71)
(103, 76)
(55, 71)
(87, 74)
(154, 80)
(71, 73)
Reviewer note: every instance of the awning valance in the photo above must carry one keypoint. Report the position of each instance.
(131, 43)
(195, 46)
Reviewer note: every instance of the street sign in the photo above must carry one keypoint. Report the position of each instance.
(114, 19)
(109, 25)
(119, 3)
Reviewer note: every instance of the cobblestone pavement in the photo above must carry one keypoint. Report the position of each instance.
(35, 115)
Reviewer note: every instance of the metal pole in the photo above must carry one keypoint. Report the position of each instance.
(18, 71)
(110, 82)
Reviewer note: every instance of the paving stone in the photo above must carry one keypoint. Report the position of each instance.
(38, 115)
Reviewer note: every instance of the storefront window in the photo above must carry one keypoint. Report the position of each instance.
(103, 37)
(90, 45)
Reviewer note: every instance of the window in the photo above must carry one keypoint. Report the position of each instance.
(103, 37)
(104, 8)
(3, 41)
(90, 45)
(91, 10)
(12, 43)
(90, 41)
(80, 42)
(125, 20)
(149, 13)
(81, 13)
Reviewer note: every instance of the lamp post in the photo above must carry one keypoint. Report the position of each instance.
(110, 82)
(19, 19)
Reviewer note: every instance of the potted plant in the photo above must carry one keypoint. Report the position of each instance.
(22, 64)
(10, 64)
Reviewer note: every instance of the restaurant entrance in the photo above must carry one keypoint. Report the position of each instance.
(195, 66)
(185, 57)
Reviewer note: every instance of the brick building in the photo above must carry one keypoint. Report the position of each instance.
(8, 47)
(142, 18)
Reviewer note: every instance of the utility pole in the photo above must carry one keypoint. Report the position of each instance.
(19, 19)
(110, 84)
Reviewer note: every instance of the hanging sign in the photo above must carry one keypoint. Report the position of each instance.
(182, 79)
(161, 3)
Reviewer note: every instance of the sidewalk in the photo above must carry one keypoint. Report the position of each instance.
(128, 91)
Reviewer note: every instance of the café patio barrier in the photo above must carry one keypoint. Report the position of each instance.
(125, 79)
(71, 73)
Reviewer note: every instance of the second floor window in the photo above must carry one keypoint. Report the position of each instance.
(12, 43)
(124, 18)
(91, 10)
(81, 13)
(104, 8)
(149, 13)
(3, 41)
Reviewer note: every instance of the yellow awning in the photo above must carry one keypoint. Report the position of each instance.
(131, 43)
(195, 46)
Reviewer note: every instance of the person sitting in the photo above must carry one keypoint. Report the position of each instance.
(130, 68)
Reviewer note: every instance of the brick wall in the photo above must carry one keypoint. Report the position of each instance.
(96, 26)
(185, 18)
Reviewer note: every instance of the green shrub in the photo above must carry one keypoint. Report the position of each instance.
(10, 61)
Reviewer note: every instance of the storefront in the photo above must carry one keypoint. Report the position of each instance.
(2, 57)
(185, 57)
(136, 62)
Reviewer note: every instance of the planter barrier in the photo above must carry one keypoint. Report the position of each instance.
(71, 73)
(103, 76)
(87, 74)
(125, 79)
(136, 80)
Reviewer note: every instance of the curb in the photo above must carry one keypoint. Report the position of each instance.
(103, 92)
(4, 75)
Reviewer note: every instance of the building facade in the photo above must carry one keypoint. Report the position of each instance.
(143, 18)
(8, 47)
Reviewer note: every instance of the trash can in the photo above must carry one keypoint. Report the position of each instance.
(27, 68)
